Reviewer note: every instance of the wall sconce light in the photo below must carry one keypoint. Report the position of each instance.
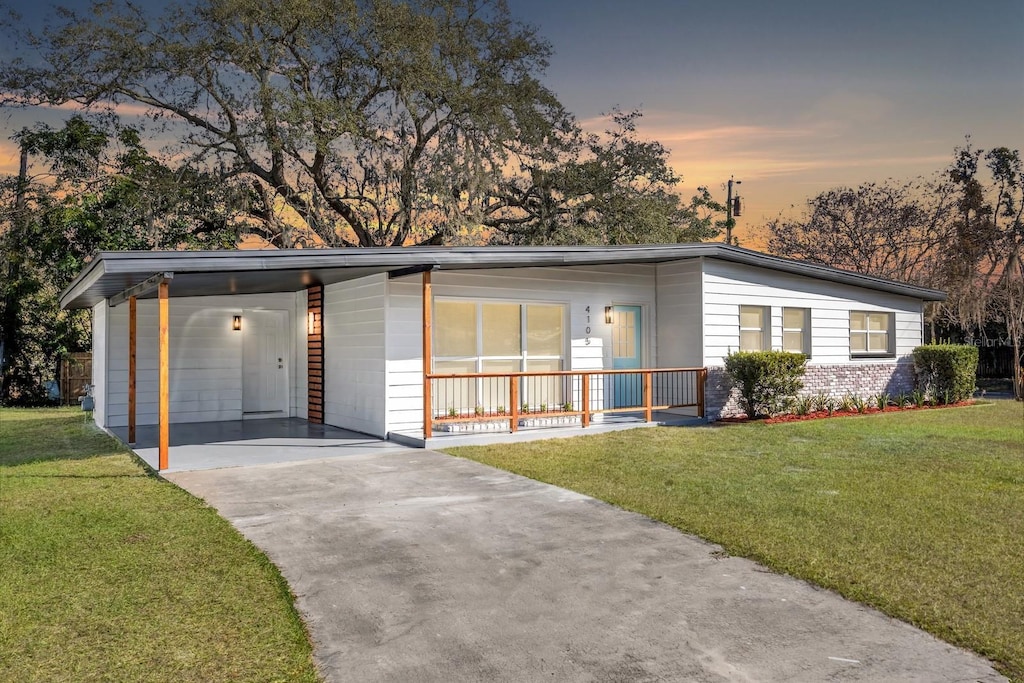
(607, 315)
(311, 323)
(236, 323)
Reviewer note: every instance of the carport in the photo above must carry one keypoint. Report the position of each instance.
(237, 443)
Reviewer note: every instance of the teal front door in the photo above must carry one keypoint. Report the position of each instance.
(627, 388)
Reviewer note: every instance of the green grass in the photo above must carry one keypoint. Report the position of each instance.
(920, 514)
(110, 573)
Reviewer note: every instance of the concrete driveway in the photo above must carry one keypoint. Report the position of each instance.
(417, 566)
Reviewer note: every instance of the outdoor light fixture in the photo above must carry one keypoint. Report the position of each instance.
(311, 323)
(236, 323)
(608, 315)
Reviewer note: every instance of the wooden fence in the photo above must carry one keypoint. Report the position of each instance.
(75, 376)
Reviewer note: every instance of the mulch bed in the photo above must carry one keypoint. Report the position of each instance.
(821, 414)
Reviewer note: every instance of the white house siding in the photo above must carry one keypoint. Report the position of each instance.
(354, 344)
(680, 334)
(205, 357)
(99, 363)
(727, 286)
(576, 287)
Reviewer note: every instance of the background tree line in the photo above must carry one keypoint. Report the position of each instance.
(961, 232)
(357, 123)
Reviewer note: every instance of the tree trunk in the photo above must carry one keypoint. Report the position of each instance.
(11, 322)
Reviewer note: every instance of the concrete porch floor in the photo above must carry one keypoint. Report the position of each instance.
(237, 443)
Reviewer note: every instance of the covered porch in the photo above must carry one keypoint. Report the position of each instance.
(351, 352)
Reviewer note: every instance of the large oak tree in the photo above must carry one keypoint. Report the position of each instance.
(362, 122)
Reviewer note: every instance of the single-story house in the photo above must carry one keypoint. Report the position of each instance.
(515, 337)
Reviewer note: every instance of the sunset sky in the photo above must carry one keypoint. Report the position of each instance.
(792, 97)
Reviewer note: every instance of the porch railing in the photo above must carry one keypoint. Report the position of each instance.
(557, 398)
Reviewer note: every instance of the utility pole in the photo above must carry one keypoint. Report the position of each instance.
(731, 209)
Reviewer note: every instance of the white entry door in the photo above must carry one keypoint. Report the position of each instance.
(265, 362)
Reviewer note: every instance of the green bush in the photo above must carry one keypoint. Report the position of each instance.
(767, 380)
(946, 372)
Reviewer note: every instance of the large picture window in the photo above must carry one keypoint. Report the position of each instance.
(497, 337)
(871, 334)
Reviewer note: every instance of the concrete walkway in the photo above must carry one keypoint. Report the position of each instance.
(417, 566)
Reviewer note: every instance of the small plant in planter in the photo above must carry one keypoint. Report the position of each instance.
(830, 405)
(452, 412)
(500, 410)
(902, 400)
(803, 405)
(882, 401)
(919, 398)
(478, 411)
(567, 407)
(859, 404)
(847, 403)
(525, 408)
(822, 401)
(543, 407)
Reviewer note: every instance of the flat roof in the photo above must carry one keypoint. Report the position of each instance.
(205, 273)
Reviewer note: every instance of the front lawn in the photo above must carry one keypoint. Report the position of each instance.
(109, 573)
(920, 514)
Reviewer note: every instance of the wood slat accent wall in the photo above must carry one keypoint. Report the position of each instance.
(315, 352)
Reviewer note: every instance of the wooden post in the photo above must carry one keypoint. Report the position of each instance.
(513, 402)
(702, 378)
(164, 376)
(585, 401)
(648, 396)
(427, 357)
(132, 367)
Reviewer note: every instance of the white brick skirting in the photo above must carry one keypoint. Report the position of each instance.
(862, 379)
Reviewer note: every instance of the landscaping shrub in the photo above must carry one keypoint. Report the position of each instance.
(946, 372)
(767, 380)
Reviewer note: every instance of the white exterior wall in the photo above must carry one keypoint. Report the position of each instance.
(680, 329)
(354, 352)
(205, 358)
(727, 286)
(576, 287)
(99, 363)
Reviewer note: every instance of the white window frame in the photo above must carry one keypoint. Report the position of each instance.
(523, 357)
(890, 334)
(805, 330)
(765, 329)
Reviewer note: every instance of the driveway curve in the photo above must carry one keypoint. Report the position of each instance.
(418, 566)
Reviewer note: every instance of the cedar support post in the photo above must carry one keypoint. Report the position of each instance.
(648, 396)
(315, 354)
(427, 357)
(585, 400)
(132, 367)
(513, 403)
(702, 378)
(164, 374)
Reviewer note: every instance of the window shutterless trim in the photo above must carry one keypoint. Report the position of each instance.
(889, 332)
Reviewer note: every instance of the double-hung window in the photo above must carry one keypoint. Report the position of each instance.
(796, 330)
(871, 334)
(754, 331)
